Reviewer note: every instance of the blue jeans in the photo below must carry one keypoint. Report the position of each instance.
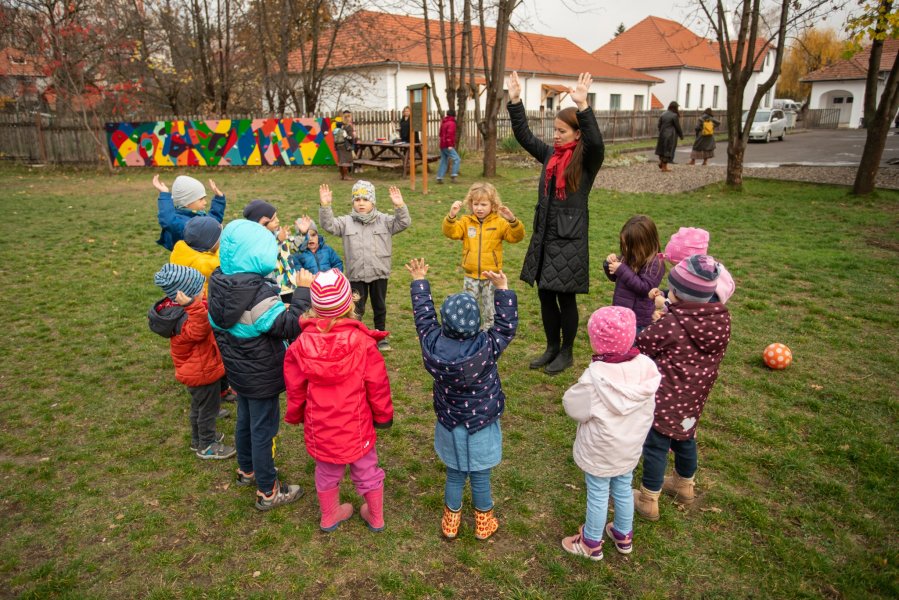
(598, 489)
(655, 459)
(257, 425)
(447, 154)
(481, 495)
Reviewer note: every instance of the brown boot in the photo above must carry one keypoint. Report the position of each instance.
(681, 488)
(646, 503)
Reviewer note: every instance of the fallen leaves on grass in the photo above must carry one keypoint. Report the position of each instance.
(711, 509)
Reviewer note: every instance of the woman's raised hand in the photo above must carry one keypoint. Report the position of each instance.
(515, 88)
(579, 92)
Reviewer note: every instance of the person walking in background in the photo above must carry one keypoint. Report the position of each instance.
(448, 147)
(558, 257)
(704, 145)
(669, 132)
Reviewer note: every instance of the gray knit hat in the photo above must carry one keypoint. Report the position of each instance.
(364, 189)
(186, 190)
(172, 278)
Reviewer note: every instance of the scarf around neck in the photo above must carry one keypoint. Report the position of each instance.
(557, 165)
(366, 218)
(616, 357)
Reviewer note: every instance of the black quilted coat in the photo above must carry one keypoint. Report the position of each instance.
(558, 257)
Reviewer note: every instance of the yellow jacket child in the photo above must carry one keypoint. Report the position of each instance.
(200, 247)
(482, 232)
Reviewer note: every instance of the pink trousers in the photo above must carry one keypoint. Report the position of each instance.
(365, 473)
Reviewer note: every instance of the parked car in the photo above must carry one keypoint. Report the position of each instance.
(768, 123)
(787, 104)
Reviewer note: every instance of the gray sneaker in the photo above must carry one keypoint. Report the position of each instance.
(384, 345)
(223, 414)
(216, 451)
(280, 494)
(194, 445)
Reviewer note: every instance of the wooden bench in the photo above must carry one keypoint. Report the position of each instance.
(381, 164)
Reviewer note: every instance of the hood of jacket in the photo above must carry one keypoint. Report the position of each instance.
(166, 321)
(332, 355)
(704, 323)
(623, 389)
(462, 362)
(247, 247)
(304, 245)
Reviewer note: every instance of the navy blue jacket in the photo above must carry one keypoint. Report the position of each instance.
(467, 389)
(172, 220)
(325, 259)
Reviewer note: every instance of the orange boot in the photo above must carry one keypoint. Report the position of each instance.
(450, 522)
(485, 524)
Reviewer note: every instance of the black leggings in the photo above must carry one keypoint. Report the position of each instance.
(559, 312)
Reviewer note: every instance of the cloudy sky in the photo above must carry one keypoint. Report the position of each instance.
(591, 23)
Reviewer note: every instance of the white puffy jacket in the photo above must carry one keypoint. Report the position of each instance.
(613, 404)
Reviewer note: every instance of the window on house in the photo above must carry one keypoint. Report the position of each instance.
(17, 60)
(701, 95)
(591, 100)
(687, 98)
(638, 102)
(550, 101)
(615, 102)
(837, 100)
(849, 100)
(715, 97)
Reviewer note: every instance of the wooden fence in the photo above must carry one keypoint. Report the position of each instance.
(55, 140)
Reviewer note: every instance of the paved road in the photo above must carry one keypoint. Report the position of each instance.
(817, 147)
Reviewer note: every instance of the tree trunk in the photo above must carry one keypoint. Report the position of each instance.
(735, 150)
(489, 131)
(876, 138)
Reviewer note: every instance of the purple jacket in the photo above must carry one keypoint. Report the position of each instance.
(632, 289)
(687, 345)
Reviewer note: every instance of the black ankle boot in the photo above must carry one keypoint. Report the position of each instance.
(545, 358)
(561, 362)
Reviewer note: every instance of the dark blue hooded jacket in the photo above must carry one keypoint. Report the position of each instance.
(467, 389)
(324, 259)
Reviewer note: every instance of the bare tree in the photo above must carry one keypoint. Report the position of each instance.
(740, 53)
(879, 22)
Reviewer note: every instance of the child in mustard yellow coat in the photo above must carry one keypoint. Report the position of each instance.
(482, 232)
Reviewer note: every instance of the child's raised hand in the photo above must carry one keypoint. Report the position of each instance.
(303, 224)
(282, 233)
(396, 196)
(498, 279)
(455, 208)
(303, 278)
(215, 189)
(506, 213)
(183, 299)
(418, 268)
(159, 185)
(324, 194)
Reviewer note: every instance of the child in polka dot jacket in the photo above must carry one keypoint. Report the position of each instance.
(687, 344)
(468, 395)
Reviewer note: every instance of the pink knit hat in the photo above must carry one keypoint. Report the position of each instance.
(331, 293)
(686, 242)
(612, 329)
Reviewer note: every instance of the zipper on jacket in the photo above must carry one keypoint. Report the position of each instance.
(480, 238)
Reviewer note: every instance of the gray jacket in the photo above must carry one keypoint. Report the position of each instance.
(367, 249)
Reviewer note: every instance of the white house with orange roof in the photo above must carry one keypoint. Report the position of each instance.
(842, 84)
(688, 65)
(377, 55)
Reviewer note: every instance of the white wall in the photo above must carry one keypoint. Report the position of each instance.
(826, 93)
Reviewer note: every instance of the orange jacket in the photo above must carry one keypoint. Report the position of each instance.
(194, 351)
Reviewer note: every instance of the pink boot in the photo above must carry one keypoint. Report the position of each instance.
(333, 513)
(372, 512)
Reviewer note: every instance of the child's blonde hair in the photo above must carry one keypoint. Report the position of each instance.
(483, 191)
(350, 313)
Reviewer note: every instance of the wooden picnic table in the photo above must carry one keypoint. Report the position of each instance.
(387, 155)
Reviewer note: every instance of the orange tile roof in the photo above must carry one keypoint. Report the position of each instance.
(857, 66)
(655, 103)
(15, 63)
(656, 43)
(369, 38)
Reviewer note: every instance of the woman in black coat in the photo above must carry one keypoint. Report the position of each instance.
(557, 259)
(669, 131)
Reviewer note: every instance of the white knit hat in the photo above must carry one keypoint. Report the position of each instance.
(186, 190)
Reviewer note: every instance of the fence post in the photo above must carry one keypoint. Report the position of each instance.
(40, 137)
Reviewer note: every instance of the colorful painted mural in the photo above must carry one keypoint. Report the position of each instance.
(238, 142)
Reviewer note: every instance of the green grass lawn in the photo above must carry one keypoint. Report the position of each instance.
(100, 496)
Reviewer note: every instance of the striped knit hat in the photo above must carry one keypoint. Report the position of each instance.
(694, 279)
(461, 315)
(331, 293)
(172, 278)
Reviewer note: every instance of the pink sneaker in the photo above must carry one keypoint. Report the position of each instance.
(623, 543)
(575, 545)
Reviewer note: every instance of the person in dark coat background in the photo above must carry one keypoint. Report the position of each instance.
(704, 145)
(669, 132)
(557, 259)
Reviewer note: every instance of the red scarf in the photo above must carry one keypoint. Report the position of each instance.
(557, 165)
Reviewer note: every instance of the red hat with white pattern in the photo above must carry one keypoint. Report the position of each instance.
(331, 293)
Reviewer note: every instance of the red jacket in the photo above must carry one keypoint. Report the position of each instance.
(337, 386)
(687, 345)
(448, 132)
(194, 351)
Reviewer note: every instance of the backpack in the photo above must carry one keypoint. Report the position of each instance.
(339, 135)
(708, 127)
